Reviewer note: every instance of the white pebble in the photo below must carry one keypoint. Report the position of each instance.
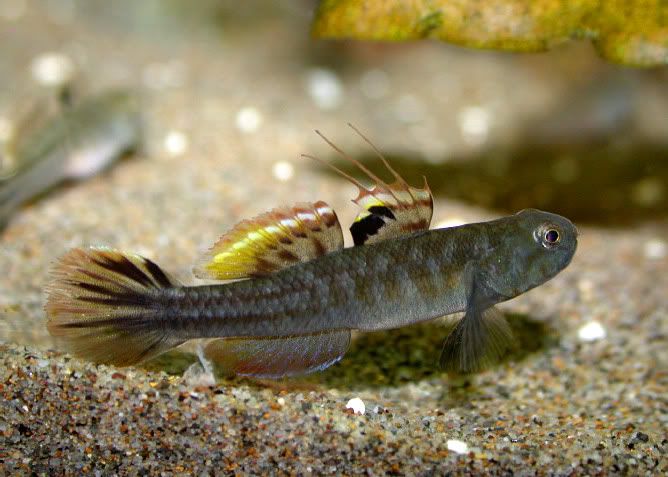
(375, 84)
(474, 124)
(655, 249)
(248, 119)
(325, 88)
(357, 405)
(52, 69)
(592, 331)
(281, 401)
(176, 143)
(460, 447)
(283, 170)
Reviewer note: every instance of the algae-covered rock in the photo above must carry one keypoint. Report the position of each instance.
(623, 31)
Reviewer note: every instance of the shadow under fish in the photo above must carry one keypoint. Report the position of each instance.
(75, 144)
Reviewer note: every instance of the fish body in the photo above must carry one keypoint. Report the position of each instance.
(304, 292)
(75, 144)
(395, 283)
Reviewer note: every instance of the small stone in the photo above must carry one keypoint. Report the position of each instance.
(283, 170)
(457, 446)
(52, 69)
(474, 123)
(591, 331)
(356, 405)
(248, 120)
(176, 143)
(655, 249)
(325, 88)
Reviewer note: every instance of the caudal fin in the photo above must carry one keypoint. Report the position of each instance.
(101, 304)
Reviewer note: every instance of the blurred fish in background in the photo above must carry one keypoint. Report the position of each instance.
(77, 142)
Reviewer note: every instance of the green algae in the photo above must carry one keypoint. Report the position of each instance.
(631, 33)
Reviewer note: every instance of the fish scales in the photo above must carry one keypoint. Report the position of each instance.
(390, 284)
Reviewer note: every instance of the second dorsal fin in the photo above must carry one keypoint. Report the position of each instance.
(272, 241)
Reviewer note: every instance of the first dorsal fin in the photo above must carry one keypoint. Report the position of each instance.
(272, 241)
(389, 210)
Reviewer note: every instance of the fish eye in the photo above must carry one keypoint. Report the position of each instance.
(548, 235)
(552, 236)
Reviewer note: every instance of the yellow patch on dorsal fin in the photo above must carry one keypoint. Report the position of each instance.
(272, 241)
(389, 210)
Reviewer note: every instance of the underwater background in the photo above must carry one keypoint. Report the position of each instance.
(229, 94)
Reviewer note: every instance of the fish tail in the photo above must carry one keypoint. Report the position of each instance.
(480, 338)
(104, 305)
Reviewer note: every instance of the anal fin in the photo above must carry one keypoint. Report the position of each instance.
(480, 339)
(278, 357)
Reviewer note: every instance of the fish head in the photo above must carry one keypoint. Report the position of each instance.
(533, 247)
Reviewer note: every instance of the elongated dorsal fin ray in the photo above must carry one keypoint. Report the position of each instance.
(272, 241)
(355, 162)
(278, 357)
(389, 210)
(379, 154)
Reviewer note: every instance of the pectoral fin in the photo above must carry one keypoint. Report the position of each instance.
(272, 241)
(478, 340)
(389, 210)
(279, 357)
